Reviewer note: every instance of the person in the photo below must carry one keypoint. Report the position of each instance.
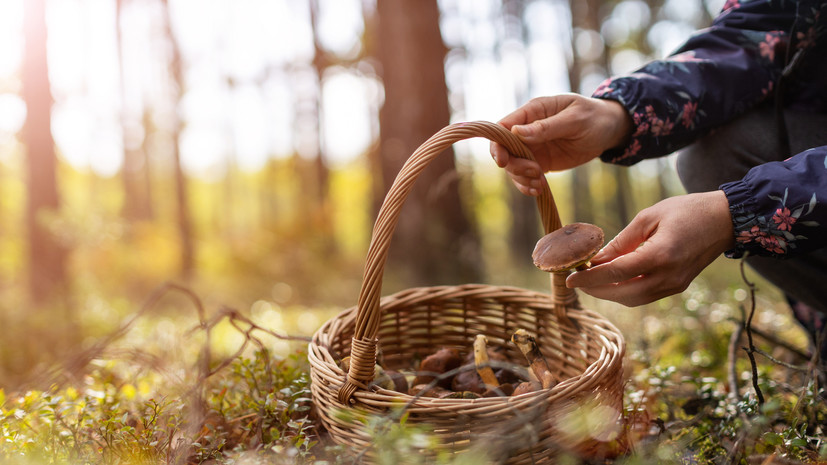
(744, 102)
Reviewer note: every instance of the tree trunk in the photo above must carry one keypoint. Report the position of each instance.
(587, 16)
(435, 241)
(47, 273)
(181, 195)
(321, 208)
(135, 171)
(622, 200)
(525, 229)
(581, 197)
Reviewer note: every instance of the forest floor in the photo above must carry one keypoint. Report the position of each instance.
(181, 382)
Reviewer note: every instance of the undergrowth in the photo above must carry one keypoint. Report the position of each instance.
(254, 406)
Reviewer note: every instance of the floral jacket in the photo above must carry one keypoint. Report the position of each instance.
(778, 208)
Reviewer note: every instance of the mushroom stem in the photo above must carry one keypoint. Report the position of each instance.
(481, 362)
(538, 364)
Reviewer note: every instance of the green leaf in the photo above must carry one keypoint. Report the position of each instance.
(773, 439)
(796, 442)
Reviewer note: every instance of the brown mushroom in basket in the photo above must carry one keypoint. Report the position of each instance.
(481, 362)
(571, 246)
(434, 365)
(525, 387)
(493, 388)
(538, 364)
(426, 390)
(469, 380)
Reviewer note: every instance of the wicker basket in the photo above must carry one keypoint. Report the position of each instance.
(581, 413)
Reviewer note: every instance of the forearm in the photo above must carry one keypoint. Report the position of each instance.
(720, 73)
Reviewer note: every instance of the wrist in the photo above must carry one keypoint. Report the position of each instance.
(717, 207)
(618, 123)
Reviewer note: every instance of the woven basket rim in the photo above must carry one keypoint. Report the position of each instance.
(456, 291)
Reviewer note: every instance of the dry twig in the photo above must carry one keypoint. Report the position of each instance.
(750, 349)
(732, 356)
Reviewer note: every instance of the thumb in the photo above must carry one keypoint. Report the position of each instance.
(627, 240)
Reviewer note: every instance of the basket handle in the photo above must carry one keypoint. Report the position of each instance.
(363, 348)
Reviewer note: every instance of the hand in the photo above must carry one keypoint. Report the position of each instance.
(661, 251)
(562, 132)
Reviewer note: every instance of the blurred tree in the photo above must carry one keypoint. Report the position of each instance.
(181, 194)
(592, 55)
(581, 198)
(525, 226)
(321, 187)
(135, 173)
(619, 202)
(47, 273)
(435, 241)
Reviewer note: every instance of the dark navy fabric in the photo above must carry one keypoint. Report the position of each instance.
(720, 73)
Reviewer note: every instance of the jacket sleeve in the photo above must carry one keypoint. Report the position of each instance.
(719, 73)
(778, 208)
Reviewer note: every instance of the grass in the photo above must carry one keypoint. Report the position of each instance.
(230, 389)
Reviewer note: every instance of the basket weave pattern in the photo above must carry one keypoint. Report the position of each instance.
(583, 349)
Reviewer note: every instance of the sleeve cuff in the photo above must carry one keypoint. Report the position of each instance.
(757, 234)
(740, 199)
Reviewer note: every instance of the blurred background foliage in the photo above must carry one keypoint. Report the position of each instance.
(241, 149)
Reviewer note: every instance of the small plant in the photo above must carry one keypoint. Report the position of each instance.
(258, 404)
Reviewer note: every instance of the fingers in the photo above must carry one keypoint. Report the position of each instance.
(530, 187)
(633, 279)
(546, 129)
(627, 256)
(499, 154)
(628, 240)
(529, 122)
(512, 164)
(627, 269)
(526, 174)
(661, 251)
(619, 270)
(523, 167)
(632, 293)
(534, 109)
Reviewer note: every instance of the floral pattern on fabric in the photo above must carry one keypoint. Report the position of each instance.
(780, 224)
(720, 73)
(774, 233)
(717, 75)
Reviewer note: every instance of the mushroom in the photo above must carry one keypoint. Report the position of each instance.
(481, 362)
(426, 390)
(468, 380)
(538, 364)
(525, 387)
(434, 365)
(568, 247)
(493, 388)
(400, 382)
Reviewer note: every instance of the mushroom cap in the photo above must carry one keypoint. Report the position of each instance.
(568, 247)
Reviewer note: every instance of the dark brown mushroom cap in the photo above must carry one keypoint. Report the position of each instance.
(568, 247)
